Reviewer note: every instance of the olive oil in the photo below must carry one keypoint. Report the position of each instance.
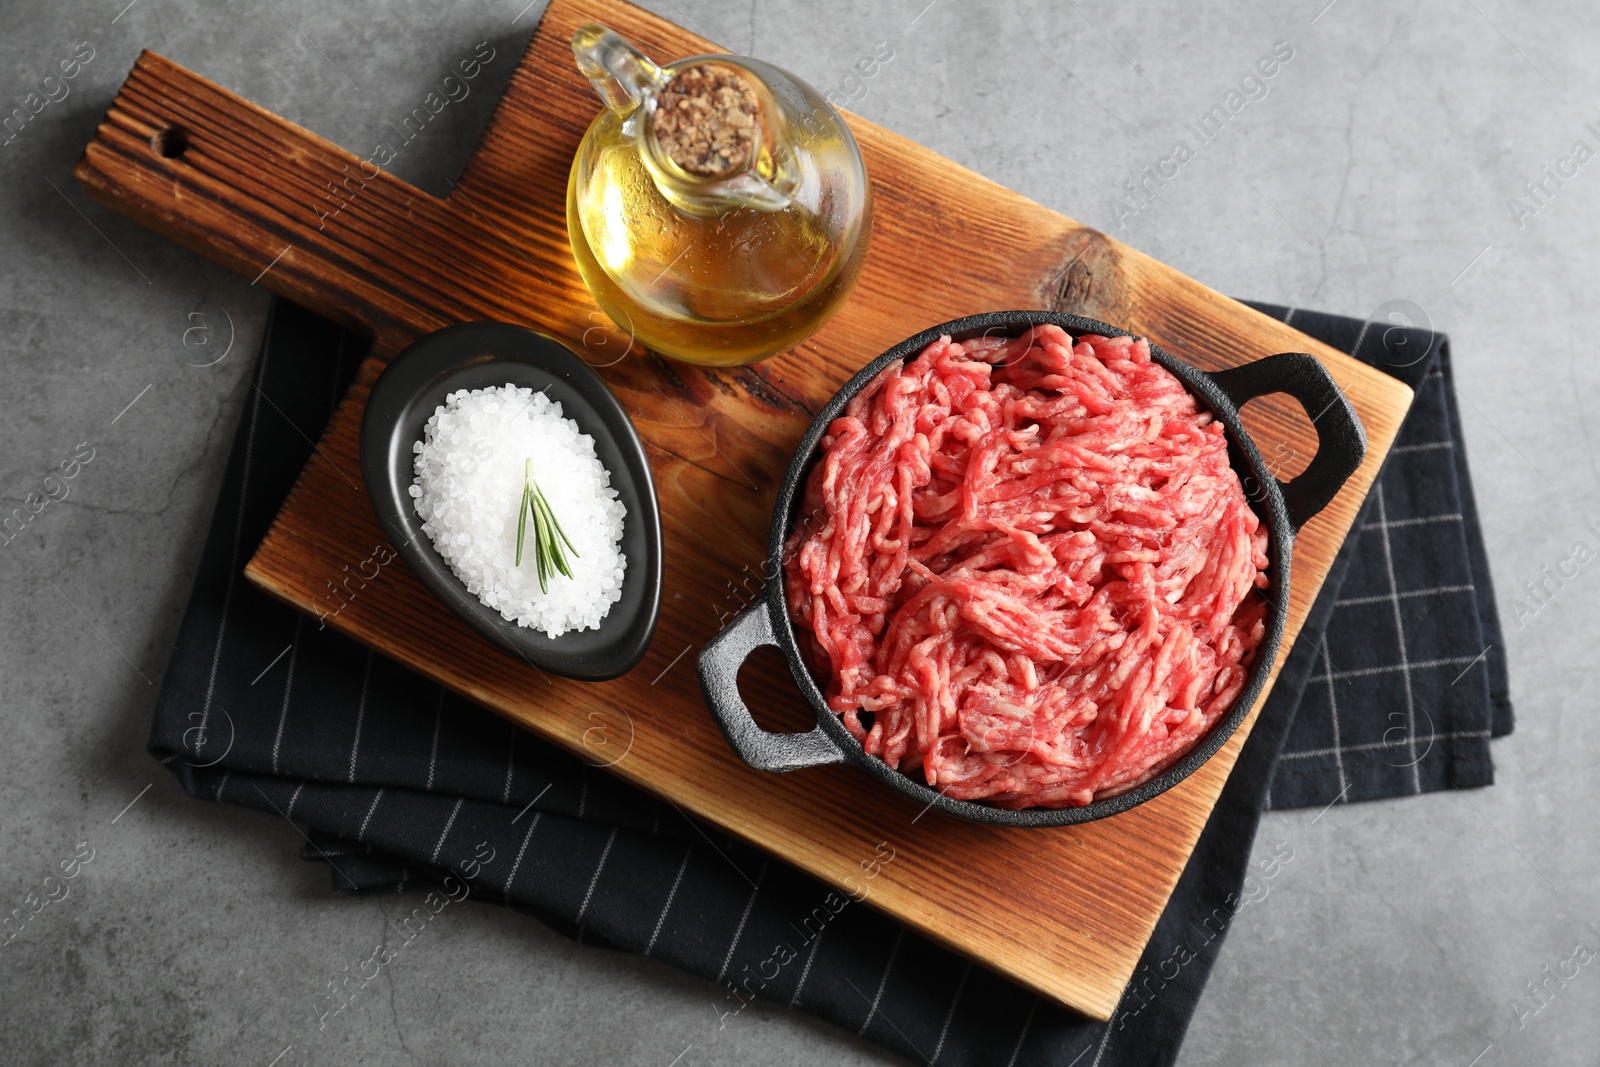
(717, 271)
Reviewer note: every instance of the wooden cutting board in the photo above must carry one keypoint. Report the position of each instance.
(1063, 911)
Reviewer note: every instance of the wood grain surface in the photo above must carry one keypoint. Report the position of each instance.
(1063, 911)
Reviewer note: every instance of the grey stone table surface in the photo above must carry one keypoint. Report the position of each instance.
(1389, 159)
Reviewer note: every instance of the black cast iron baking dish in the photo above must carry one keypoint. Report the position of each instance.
(1283, 506)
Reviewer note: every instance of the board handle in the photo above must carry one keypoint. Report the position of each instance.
(332, 231)
(1341, 439)
(719, 665)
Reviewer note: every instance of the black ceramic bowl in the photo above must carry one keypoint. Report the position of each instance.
(1283, 507)
(478, 355)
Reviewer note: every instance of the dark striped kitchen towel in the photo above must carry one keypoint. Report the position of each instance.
(1395, 688)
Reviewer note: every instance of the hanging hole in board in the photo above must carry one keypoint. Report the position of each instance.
(170, 143)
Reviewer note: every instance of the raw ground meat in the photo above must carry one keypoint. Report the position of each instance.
(1025, 568)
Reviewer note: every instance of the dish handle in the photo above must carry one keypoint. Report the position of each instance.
(1341, 440)
(719, 665)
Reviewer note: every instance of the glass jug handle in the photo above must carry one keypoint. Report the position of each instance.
(619, 72)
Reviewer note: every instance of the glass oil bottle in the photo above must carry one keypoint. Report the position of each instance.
(718, 207)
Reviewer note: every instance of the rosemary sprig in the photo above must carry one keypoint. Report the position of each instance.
(548, 557)
(522, 518)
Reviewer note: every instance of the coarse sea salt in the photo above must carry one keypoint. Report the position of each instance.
(469, 479)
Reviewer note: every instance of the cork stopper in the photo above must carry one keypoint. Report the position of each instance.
(705, 120)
